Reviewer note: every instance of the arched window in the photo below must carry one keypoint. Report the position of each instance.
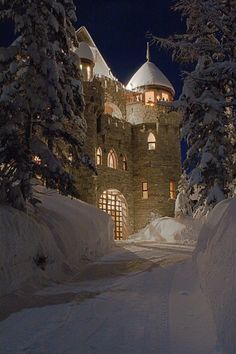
(99, 157)
(151, 141)
(124, 163)
(112, 159)
(113, 110)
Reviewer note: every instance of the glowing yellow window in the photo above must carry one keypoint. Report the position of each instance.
(89, 73)
(145, 190)
(172, 190)
(99, 157)
(151, 141)
(165, 96)
(112, 161)
(149, 98)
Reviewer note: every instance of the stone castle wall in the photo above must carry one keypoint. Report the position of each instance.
(157, 167)
(116, 135)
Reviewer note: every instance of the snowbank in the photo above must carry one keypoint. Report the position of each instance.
(169, 230)
(51, 241)
(216, 260)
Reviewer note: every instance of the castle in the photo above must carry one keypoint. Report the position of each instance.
(133, 137)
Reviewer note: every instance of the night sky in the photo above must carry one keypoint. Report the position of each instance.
(119, 29)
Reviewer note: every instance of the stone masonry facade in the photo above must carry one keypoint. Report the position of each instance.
(156, 167)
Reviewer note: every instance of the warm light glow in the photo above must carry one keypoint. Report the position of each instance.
(165, 96)
(172, 190)
(145, 190)
(151, 141)
(89, 76)
(99, 157)
(113, 203)
(36, 159)
(150, 98)
(112, 159)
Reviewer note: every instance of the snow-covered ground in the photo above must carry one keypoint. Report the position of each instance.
(137, 299)
(182, 230)
(216, 260)
(51, 241)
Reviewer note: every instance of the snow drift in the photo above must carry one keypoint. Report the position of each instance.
(51, 241)
(216, 259)
(169, 230)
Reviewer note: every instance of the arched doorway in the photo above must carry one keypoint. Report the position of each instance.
(113, 202)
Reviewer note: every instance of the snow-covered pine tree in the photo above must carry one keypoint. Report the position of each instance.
(207, 100)
(183, 204)
(41, 98)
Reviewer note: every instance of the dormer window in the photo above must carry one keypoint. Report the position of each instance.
(151, 141)
(89, 76)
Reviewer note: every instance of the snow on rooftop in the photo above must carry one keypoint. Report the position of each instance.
(101, 68)
(149, 75)
(84, 52)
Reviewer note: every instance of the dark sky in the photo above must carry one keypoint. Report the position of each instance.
(118, 27)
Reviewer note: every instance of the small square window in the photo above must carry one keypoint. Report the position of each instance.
(145, 190)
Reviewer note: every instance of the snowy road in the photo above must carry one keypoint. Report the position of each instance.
(138, 299)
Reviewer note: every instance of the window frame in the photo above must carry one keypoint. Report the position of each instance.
(151, 142)
(112, 157)
(99, 156)
(145, 195)
(124, 163)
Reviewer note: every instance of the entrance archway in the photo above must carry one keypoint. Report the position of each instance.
(113, 202)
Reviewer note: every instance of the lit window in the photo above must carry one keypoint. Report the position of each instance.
(89, 72)
(81, 66)
(165, 97)
(124, 164)
(145, 190)
(36, 159)
(151, 141)
(112, 159)
(149, 98)
(99, 157)
(172, 190)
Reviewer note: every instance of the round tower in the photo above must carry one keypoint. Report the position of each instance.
(156, 143)
(87, 60)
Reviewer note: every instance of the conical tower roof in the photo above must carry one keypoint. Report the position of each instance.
(149, 75)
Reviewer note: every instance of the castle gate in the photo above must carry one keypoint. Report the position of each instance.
(113, 202)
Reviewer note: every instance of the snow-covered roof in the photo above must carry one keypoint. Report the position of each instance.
(149, 75)
(101, 68)
(84, 52)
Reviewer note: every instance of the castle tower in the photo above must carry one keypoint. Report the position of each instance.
(132, 138)
(156, 143)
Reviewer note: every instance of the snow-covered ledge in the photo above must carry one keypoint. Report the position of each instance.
(216, 260)
(51, 242)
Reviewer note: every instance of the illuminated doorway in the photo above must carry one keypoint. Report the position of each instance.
(114, 204)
